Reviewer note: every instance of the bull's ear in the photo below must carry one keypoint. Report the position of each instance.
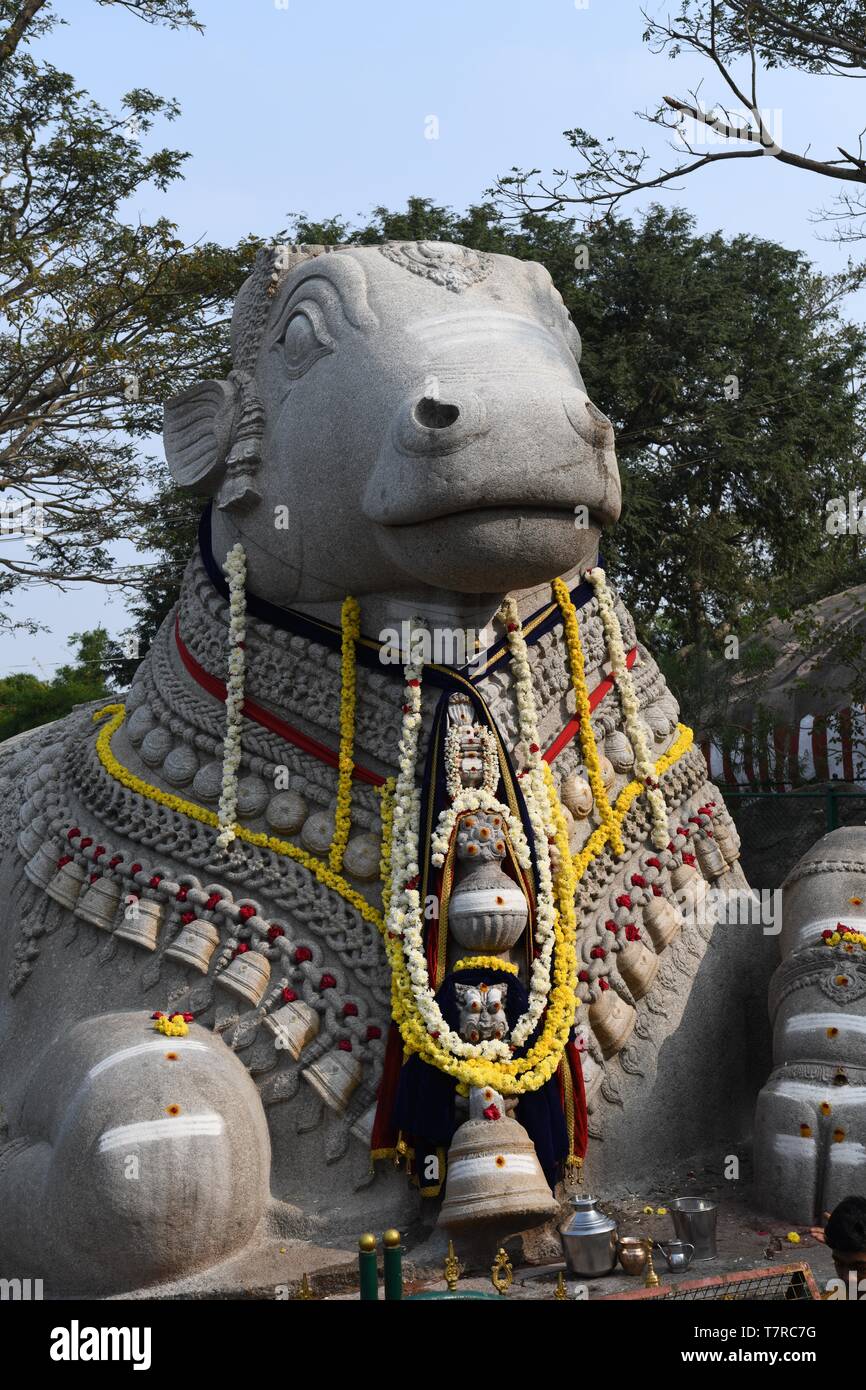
(197, 433)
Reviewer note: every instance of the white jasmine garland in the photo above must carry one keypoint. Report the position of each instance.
(405, 918)
(235, 568)
(630, 706)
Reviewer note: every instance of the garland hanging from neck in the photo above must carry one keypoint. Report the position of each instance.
(236, 573)
(351, 630)
(630, 707)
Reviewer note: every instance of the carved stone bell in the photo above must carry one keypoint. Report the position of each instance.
(66, 884)
(663, 920)
(494, 1177)
(98, 903)
(612, 1021)
(334, 1077)
(638, 966)
(712, 861)
(43, 865)
(293, 1025)
(246, 976)
(140, 923)
(576, 795)
(619, 750)
(690, 888)
(727, 839)
(194, 944)
(29, 840)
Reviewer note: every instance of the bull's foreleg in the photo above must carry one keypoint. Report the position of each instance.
(136, 1158)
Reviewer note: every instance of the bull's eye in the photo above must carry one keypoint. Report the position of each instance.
(305, 339)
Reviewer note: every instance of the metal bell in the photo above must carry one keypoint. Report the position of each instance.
(140, 923)
(712, 861)
(98, 903)
(638, 966)
(663, 920)
(67, 883)
(293, 1025)
(247, 976)
(494, 1176)
(42, 867)
(194, 944)
(612, 1020)
(334, 1077)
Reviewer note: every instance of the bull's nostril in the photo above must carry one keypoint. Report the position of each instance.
(435, 415)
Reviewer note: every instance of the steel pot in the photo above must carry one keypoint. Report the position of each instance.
(589, 1240)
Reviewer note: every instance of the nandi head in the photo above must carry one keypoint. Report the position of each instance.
(400, 419)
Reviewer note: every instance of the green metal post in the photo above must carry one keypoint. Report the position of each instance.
(393, 1266)
(368, 1273)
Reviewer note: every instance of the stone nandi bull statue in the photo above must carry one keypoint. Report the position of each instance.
(405, 424)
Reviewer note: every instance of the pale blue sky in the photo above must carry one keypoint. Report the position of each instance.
(323, 109)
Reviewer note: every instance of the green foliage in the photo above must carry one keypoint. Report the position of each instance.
(100, 319)
(26, 701)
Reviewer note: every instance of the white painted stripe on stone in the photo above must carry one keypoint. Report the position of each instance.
(488, 899)
(847, 1154)
(207, 1126)
(484, 1163)
(789, 1145)
(819, 1090)
(809, 1023)
(161, 1044)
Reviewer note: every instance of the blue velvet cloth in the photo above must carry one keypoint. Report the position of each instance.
(425, 1109)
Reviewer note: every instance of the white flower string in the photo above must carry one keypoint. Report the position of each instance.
(630, 707)
(235, 568)
(405, 918)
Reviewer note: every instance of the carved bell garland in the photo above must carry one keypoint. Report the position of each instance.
(134, 900)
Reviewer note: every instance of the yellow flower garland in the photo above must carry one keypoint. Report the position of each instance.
(626, 799)
(588, 745)
(121, 774)
(519, 1075)
(485, 963)
(350, 621)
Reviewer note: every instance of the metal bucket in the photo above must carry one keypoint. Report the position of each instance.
(694, 1221)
